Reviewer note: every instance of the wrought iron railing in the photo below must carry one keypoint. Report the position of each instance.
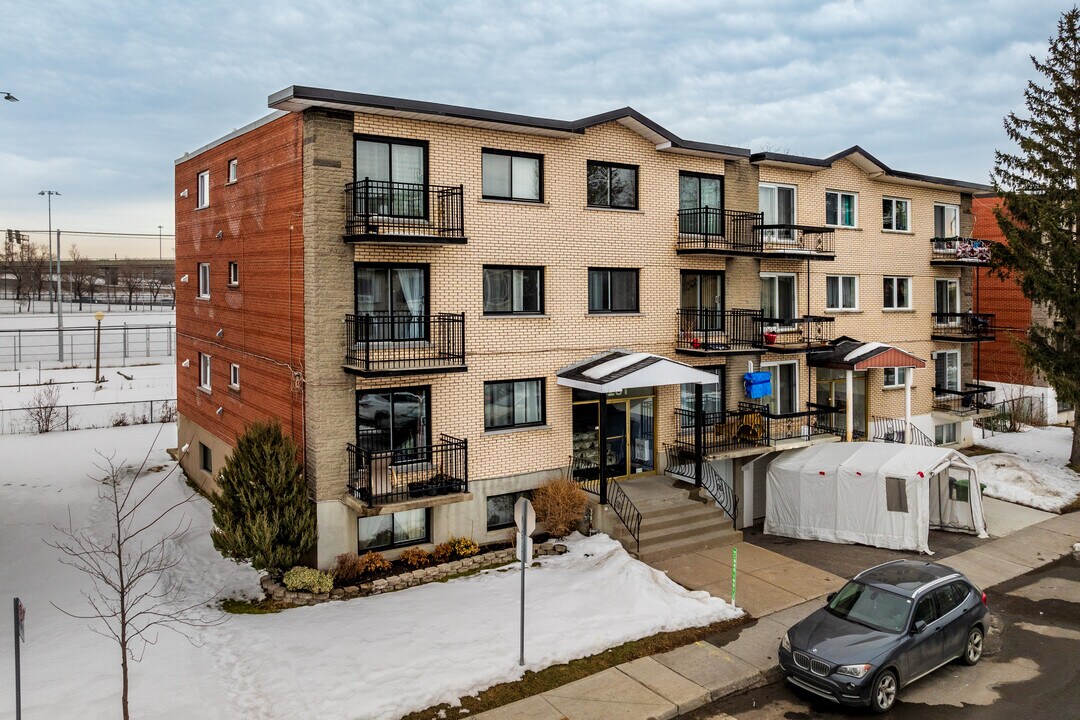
(586, 473)
(964, 326)
(898, 430)
(795, 239)
(683, 464)
(969, 401)
(379, 208)
(721, 431)
(816, 421)
(703, 330)
(793, 334)
(398, 342)
(708, 229)
(384, 476)
(959, 251)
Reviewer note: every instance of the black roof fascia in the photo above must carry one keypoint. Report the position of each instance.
(781, 157)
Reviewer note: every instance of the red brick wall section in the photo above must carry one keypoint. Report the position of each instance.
(262, 318)
(1001, 362)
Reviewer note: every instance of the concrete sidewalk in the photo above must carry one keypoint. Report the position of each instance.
(676, 682)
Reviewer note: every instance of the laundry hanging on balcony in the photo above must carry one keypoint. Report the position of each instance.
(757, 384)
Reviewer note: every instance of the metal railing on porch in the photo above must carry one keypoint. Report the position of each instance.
(703, 331)
(898, 430)
(586, 473)
(377, 208)
(721, 431)
(708, 229)
(400, 342)
(969, 401)
(684, 464)
(382, 477)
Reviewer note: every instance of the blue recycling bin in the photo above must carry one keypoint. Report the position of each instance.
(757, 384)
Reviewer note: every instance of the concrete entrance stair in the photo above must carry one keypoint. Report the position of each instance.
(676, 518)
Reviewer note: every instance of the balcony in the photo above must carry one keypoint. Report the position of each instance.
(793, 335)
(712, 231)
(387, 213)
(972, 401)
(754, 426)
(959, 252)
(380, 345)
(715, 332)
(963, 327)
(799, 242)
(424, 475)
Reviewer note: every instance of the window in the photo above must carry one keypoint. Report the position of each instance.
(925, 611)
(381, 532)
(701, 198)
(394, 420)
(951, 597)
(204, 280)
(712, 395)
(945, 434)
(895, 214)
(500, 509)
(841, 292)
(895, 495)
(612, 185)
(232, 170)
(234, 273)
(204, 371)
(702, 290)
(234, 376)
(778, 296)
(777, 205)
(841, 208)
(512, 176)
(613, 291)
(397, 174)
(897, 293)
(206, 460)
(513, 403)
(785, 387)
(947, 301)
(396, 295)
(896, 377)
(959, 489)
(203, 189)
(947, 369)
(509, 290)
(946, 221)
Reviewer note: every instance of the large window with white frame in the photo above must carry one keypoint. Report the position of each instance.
(896, 293)
(841, 208)
(204, 280)
(946, 220)
(234, 376)
(945, 434)
(947, 370)
(204, 371)
(896, 377)
(777, 205)
(895, 214)
(947, 301)
(841, 292)
(778, 296)
(785, 386)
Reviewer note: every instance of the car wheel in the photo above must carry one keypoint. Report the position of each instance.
(973, 648)
(884, 693)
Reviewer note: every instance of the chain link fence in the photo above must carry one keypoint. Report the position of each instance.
(129, 344)
(31, 420)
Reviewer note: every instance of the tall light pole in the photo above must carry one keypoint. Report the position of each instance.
(159, 242)
(59, 300)
(49, 194)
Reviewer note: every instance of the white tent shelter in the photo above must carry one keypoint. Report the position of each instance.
(882, 494)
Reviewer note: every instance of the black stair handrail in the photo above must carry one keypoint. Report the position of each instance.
(887, 430)
(586, 474)
(711, 480)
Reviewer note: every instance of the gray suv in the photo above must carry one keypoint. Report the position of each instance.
(888, 627)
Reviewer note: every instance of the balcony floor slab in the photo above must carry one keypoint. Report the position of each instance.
(361, 508)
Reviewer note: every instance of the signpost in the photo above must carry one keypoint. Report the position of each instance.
(734, 562)
(525, 520)
(20, 635)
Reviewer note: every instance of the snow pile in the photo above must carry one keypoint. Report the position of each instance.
(1030, 468)
(377, 657)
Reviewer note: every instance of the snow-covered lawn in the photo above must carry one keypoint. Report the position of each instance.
(40, 318)
(377, 657)
(1030, 468)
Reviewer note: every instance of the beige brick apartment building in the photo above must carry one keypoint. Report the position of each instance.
(447, 306)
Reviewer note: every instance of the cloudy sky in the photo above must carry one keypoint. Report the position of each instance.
(111, 93)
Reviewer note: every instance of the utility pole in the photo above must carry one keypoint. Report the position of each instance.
(159, 242)
(48, 241)
(59, 300)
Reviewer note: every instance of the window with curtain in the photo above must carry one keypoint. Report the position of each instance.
(509, 175)
(698, 192)
(778, 296)
(512, 290)
(613, 290)
(895, 214)
(380, 532)
(897, 293)
(397, 298)
(946, 221)
(840, 208)
(777, 205)
(397, 175)
(513, 403)
(612, 185)
(947, 370)
(394, 420)
(841, 292)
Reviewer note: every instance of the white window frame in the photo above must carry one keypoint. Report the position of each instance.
(202, 190)
(205, 376)
(767, 367)
(910, 294)
(939, 432)
(959, 368)
(840, 294)
(776, 294)
(899, 377)
(855, 214)
(232, 170)
(954, 290)
(234, 376)
(895, 200)
(774, 235)
(951, 206)
(204, 281)
(234, 273)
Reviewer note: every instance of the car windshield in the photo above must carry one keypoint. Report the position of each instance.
(871, 606)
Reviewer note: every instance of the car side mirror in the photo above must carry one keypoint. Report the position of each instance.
(830, 597)
(918, 627)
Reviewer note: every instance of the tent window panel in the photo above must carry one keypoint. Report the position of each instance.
(959, 489)
(896, 495)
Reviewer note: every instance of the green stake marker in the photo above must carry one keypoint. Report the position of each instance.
(734, 562)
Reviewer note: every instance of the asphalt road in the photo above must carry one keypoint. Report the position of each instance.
(1034, 675)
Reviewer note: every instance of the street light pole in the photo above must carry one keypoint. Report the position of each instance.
(99, 316)
(48, 241)
(59, 300)
(159, 242)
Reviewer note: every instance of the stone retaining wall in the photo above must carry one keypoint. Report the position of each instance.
(276, 590)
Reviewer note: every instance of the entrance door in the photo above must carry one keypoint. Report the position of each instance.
(832, 390)
(630, 442)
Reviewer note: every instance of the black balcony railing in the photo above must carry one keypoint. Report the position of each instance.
(972, 400)
(713, 230)
(754, 425)
(382, 477)
(963, 327)
(815, 421)
(959, 251)
(404, 212)
(707, 331)
(398, 343)
(796, 240)
(898, 430)
(811, 332)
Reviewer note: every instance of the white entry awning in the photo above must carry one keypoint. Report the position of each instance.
(617, 370)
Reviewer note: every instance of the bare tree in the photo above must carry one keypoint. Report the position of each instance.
(130, 277)
(80, 274)
(134, 589)
(155, 282)
(42, 412)
(25, 263)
